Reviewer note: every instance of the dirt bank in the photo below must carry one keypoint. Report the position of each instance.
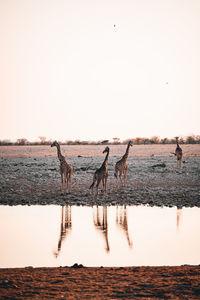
(101, 283)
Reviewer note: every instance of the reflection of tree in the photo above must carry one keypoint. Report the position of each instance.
(101, 223)
(178, 217)
(122, 221)
(65, 226)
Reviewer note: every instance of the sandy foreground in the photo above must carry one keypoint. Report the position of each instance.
(30, 178)
(101, 283)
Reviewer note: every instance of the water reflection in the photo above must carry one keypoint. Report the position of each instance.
(100, 219)
(178, 217)
(122, 222)
(65, 226)
(78, 233)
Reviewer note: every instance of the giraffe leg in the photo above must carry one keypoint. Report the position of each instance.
(120, 176)
(68, 176)
(179, 163)
(125, 172)
(103, 183)
(67, 179)
(117, 179)
(97, 186)
(65, 182)
(105, 186)
(124, 178)
(62, 181)
(70, 181)
(92, 185)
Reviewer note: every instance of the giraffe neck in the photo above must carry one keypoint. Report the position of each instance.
(60, 156)
(126, 153)
(177, 144)
(105, 163)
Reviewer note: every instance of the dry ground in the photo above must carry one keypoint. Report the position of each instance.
(101, 283)
(150, 180)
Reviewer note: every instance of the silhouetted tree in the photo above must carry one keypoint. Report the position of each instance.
(105, 142)
(42, 140)
(155, 140)
(116, 141)
(6, 143)
(190, 139)
(22, 141)
(164, 141)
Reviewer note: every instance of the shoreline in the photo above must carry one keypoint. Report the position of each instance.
(163, 198)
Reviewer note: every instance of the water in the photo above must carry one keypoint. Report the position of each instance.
(98, 236)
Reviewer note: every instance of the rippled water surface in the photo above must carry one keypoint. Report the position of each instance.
(98, 236)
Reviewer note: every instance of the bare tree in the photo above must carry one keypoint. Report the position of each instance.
(42, 140)
(22, 141)
(116, 141)
(155, 140)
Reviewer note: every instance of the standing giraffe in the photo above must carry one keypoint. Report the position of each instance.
(178, 153)
(122, 165)
(101, 174)
(65, 168)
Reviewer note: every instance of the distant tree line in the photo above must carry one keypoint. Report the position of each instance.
(192, 139)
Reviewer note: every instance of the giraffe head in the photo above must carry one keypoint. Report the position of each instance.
(54, 144)
(130, 143)
(177, 137)
(107, 149)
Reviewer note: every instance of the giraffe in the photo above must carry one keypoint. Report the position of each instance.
(122, 165)
(101, 174)
(65, 168)
(178, 153)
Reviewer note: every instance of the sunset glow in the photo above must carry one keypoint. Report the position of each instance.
(99, 69)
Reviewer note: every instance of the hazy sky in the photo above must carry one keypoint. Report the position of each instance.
(98, 69)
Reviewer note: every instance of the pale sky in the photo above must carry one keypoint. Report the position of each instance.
(98, 69)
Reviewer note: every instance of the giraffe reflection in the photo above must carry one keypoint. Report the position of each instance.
(122, 221)
(100, 219)
(178, 217)
(65, 226)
